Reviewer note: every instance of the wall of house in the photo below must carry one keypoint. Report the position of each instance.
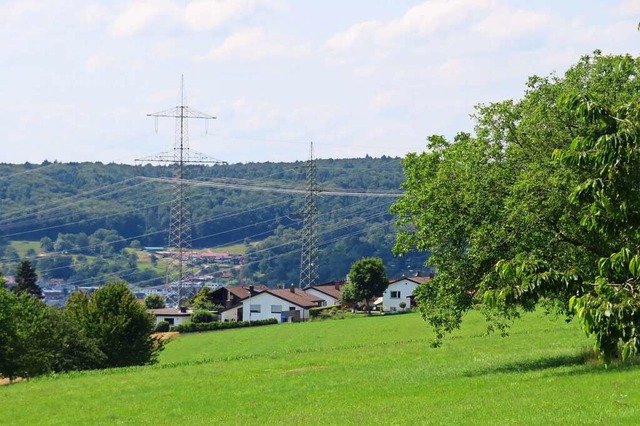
(406, 289)
(327, 299)
(230, 314)
(265, 301)
(177, 320)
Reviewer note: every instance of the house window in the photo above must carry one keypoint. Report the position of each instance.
(395, 295)
(169, 320)
(255, 309)
(276, 309)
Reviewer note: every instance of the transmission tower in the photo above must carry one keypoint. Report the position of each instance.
(309, 253)
(179, 242)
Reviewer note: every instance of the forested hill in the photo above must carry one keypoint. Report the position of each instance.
(60, 200)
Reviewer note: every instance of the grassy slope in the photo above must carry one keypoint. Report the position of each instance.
(365, 370)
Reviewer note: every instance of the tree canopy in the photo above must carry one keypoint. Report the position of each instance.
(367, 279)
(120, 324)
(540, 206)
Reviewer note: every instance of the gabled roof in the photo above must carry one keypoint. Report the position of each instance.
(417, 280)
(329, 288)
(297, 297)
(242, 292)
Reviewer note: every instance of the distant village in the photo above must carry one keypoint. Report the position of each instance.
(242, 302)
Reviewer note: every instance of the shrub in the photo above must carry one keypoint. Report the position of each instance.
(162, 327)
(203, 317)
(191, 327)
(326, 312)
(402, 305)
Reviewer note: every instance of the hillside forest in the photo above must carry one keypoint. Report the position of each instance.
(87, 223)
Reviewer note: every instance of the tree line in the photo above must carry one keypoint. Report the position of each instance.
(108, 328)
(83, 214)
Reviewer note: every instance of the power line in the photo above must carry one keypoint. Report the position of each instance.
(179, 225)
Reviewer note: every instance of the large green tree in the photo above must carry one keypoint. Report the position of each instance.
(25, 336)
(118, 322)
(509, 221)
(367, 279)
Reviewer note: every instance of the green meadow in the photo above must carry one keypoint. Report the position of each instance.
(368, 370)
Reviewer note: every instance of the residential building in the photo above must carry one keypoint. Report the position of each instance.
(174, 316)
(328, 292)
(288, 305)
(401, 290)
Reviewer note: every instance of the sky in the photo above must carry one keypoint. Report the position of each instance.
(355, 77)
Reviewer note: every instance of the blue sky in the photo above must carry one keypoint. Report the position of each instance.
(355, 77)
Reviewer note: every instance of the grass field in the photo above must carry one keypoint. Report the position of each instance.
(378, 370)
(22, 247)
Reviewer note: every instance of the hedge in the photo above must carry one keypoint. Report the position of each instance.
(192, 327)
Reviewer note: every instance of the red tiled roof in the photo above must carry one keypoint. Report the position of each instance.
(242, 292)
(330, 288)
(297, 297)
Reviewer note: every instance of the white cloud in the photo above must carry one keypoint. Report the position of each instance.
(506, 23)
(214, 14)
(419, 21)
(629, 7)
(138, 15)
(166, 49)
(98, 61)
(255, 44)
(94, 15)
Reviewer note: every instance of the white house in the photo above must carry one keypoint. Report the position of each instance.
(171, 315)
(401, 290)
(232, 313)
(329, 292)
(290, 305)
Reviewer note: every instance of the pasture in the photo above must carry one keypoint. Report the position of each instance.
(354, 371)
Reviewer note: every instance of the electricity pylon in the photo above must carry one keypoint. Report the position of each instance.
(179, 242)
(309, 252)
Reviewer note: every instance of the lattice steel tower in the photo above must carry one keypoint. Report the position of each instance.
(179, 242)
(309, 253)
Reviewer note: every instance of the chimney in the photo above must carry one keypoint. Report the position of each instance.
(183, 309)
(418, 273)
(251, 290)
(336, 285)
(292, 289)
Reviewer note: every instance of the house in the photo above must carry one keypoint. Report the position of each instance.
(232, 313)
(401, 290)
(329, 292)
(286, 305)
(174, 316)
(232, 295)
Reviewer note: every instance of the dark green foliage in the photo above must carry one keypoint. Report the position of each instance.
(24, 335)
(324, 312)
(540, 207)
(154, 301)
(348, 295)
(122, 206)
(368, 279)
(26, 279)
(162, 327)
(72, 349)
(120, 324)
(191, 327)
(202, 317)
